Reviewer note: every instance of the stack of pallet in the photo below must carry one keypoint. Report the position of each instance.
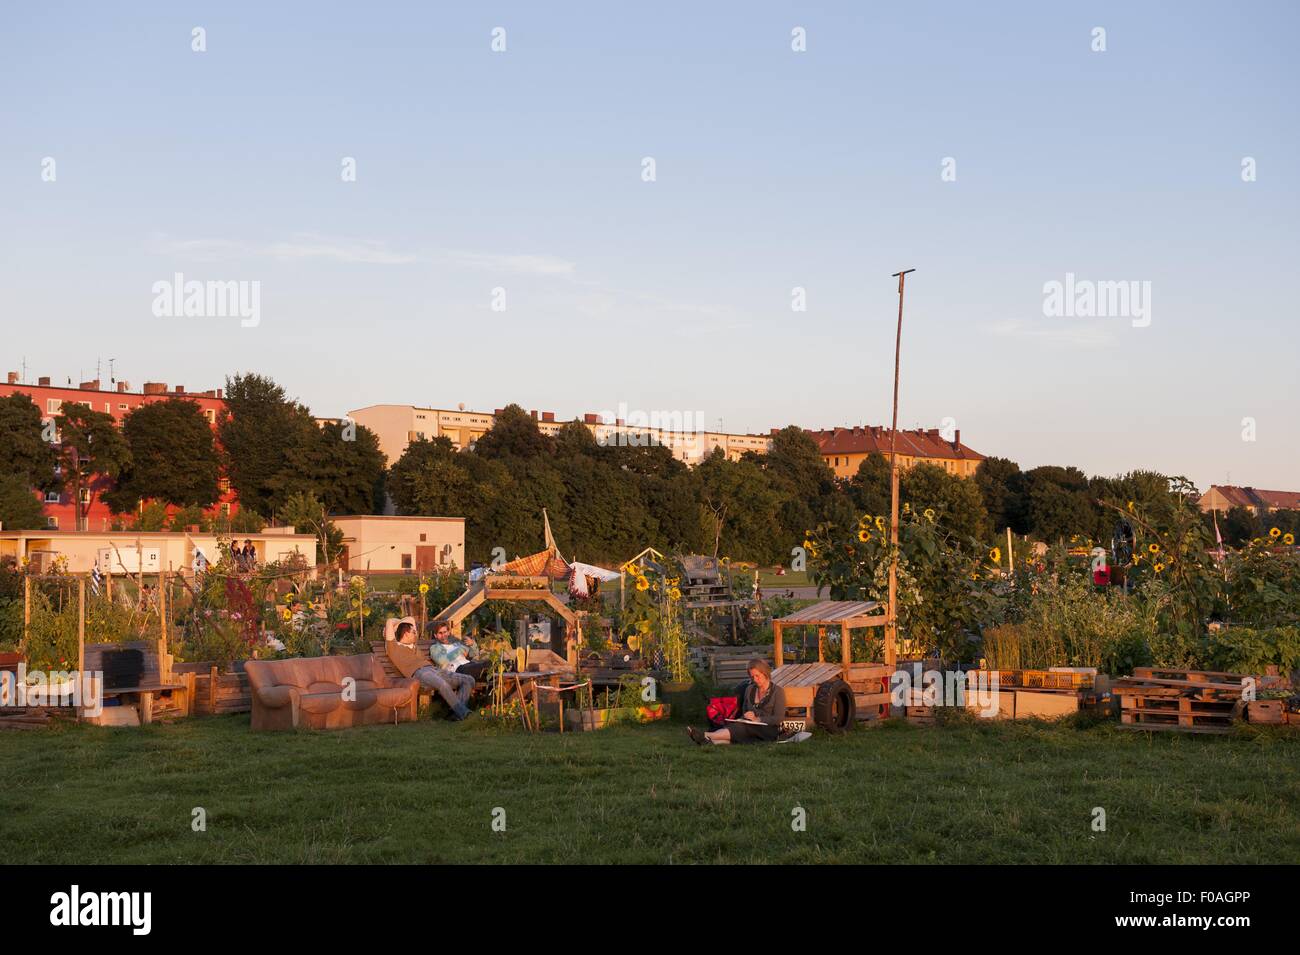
(728, 666)
(1186, 701)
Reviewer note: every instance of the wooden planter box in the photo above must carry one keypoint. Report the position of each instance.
(217, 693)
(585, 720)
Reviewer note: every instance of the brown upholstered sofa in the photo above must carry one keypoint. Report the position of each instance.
(309, 692)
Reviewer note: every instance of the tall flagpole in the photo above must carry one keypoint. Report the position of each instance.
(891, 625)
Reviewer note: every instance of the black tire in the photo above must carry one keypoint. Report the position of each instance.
(834, 708)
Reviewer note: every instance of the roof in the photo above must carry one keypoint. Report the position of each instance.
(916, 443)
(392, 517)
(1254, 497)
(834, 612)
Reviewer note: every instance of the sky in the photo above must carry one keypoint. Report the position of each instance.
(995, 148)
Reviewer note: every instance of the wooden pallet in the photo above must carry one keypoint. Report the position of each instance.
(1182, 712)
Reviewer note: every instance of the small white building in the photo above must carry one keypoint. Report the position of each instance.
(130, 552)
(374, 543)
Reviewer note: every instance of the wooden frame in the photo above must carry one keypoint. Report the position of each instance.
(504, 587)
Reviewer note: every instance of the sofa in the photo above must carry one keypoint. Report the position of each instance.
(310, 692)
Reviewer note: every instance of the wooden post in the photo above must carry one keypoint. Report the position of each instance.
(162, 612)
(81, 629)
(846, 648)
(1011, 564)
(891, 627)
(821, 644)
(777, 649)
(108, 581)
(27, 610)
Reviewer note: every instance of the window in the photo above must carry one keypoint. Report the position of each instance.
(211, 415)
(53, 405)
(52, 522)
(84, 496)
(52, 497)
(120, 407)
(406, 562)
(423, 538)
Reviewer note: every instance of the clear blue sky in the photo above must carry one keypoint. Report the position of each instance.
(775, 169)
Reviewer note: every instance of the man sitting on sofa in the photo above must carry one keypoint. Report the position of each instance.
(453, 687)
(456, 657)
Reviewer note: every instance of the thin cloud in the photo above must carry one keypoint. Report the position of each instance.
(308, 246)
(1084, 333)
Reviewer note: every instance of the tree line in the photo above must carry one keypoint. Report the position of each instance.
(164, 467)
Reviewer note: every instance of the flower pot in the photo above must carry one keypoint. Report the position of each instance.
(586, 720)
(671, 686)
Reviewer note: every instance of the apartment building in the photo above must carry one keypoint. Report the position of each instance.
(119, 400)
(398, 425)
(844, 449)
(1224, 497)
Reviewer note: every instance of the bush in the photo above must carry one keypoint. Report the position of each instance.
(1247, 650)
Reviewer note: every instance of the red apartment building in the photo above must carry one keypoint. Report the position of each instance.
(118, 401)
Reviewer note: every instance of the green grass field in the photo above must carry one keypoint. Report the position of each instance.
(426, 792)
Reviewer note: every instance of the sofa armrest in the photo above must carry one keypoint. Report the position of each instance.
(276, 697)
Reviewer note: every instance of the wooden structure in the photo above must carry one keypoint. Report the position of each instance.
(706, 583)
(158, 688)
(507, 587)
(1188, 701)
(833, 695)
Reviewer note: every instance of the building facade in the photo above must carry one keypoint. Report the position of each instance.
(148, 552)
(397, 426)
(118, 401)
(1224, 497)
(844, 449)
(402, 545)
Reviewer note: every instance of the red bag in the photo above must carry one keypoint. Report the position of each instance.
(720, 709)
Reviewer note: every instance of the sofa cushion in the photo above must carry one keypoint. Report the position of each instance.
(320, 702)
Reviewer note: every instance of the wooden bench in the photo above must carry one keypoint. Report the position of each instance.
(156, 682)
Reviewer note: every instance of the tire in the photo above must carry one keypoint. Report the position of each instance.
(834, 708)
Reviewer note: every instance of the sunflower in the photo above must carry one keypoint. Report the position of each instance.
(424, 588)
(287, 615)
(995, 555)
(880, 523)
(1288, 538)
(1154, 548)
(1130, 507)
(929, 514)
(642, 584)
(675, 594)
(1158, 567)
(1274, 533)
(864, 535)
(634, 642)
(867, 520)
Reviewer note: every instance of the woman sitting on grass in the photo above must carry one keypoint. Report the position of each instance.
(762, 706)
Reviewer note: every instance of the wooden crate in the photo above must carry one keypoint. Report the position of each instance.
(1185, 713)
(1266, 711)
(218, 694)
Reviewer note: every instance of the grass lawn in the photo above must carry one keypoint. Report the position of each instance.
(425, 792)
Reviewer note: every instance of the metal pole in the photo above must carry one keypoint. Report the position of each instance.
(891, 627)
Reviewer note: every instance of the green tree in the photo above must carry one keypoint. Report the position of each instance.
(308, 515)
(1002, 485)
(266, 440)
(24, 450)
(1060, 505)
(92, 453)
(513, 434)
(173, 457)
(345, 468)
(19, 508)
(956, 501)
(433, 480)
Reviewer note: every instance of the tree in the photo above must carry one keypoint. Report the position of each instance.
(19, 508)
(432, 480)
(266, 439)
(513, 434)
(956, 501)
(346, 468)
(1060, 505)
(92, 453)
(739, 507)
(308, 515)
(1002, 485)
(869, 488)
(173, 457)
(802, 480)
(24, 450)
